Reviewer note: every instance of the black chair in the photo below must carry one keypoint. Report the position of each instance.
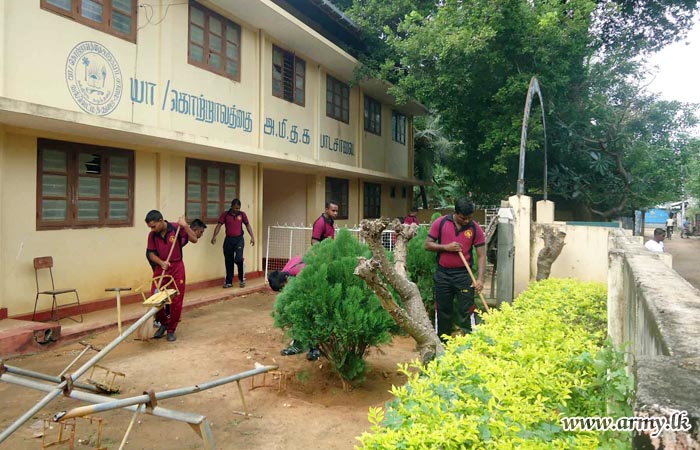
(43, 263)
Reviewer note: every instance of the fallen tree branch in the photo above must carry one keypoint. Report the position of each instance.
(378, 272)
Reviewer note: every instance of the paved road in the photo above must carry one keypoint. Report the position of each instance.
(686, 257)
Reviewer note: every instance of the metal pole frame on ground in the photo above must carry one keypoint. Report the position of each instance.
(67, 380)
(148, 401)
(144, 403)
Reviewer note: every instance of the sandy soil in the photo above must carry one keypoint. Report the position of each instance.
(313, 412)
(685, 256)
(215, 341)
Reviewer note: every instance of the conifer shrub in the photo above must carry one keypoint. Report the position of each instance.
(508, 384)
(420, 265)
(327, 305)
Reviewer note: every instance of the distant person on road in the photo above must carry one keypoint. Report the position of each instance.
(657, 244)
(669, 226)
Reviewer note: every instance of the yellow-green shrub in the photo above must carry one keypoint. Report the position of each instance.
(506, 385)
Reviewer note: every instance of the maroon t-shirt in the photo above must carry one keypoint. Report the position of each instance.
(470, 235)
(410, 219)
(233, 222)
(323, 228)
(294, 266)
(161, 245)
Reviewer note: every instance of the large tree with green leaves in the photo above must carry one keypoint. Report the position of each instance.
(472, 61)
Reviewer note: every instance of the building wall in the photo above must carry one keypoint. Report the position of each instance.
(159, 88)
(3, 51)
(373, 146)
(284, 196)
(397, 154)
(584, 256)
(93, 259)
(286, 124)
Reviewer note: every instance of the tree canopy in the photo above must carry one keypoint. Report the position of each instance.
(612, 145)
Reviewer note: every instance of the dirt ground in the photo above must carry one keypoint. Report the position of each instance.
(213, 342)
(224, 339)
(686, 257)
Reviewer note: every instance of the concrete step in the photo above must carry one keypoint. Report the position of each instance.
(20, 337)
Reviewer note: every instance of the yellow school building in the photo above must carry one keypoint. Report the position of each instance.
(111, 108)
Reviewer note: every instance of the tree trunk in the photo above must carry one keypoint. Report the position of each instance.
(378, 272)
(553, 244)
(423, 196)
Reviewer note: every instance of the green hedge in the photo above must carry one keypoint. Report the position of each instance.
(506, 385)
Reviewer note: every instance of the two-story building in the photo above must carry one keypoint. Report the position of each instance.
(111, 108)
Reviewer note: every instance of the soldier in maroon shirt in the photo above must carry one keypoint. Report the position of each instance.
(323, 226)
(278, 278)
(198, 228)
(448, 236)
(234, 219)
(412, 217)
(161, 240)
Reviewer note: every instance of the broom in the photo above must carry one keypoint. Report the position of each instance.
(471, 274)
(145, 330)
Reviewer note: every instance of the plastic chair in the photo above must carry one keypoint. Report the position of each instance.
(44, 263)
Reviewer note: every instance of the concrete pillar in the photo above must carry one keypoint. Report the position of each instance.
(522, 208)
(545, 211)
(505, 251)
(3, 218)
(504, 273)
(259, 221)
(315, 197)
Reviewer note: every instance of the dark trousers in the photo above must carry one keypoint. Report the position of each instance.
(177, 270)
(453, 293)
(233, 254)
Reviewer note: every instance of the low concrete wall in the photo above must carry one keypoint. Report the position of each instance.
(656, 313)
(583, 256)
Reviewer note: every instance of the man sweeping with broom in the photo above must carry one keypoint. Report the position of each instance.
(164, 248)
(452, 237)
